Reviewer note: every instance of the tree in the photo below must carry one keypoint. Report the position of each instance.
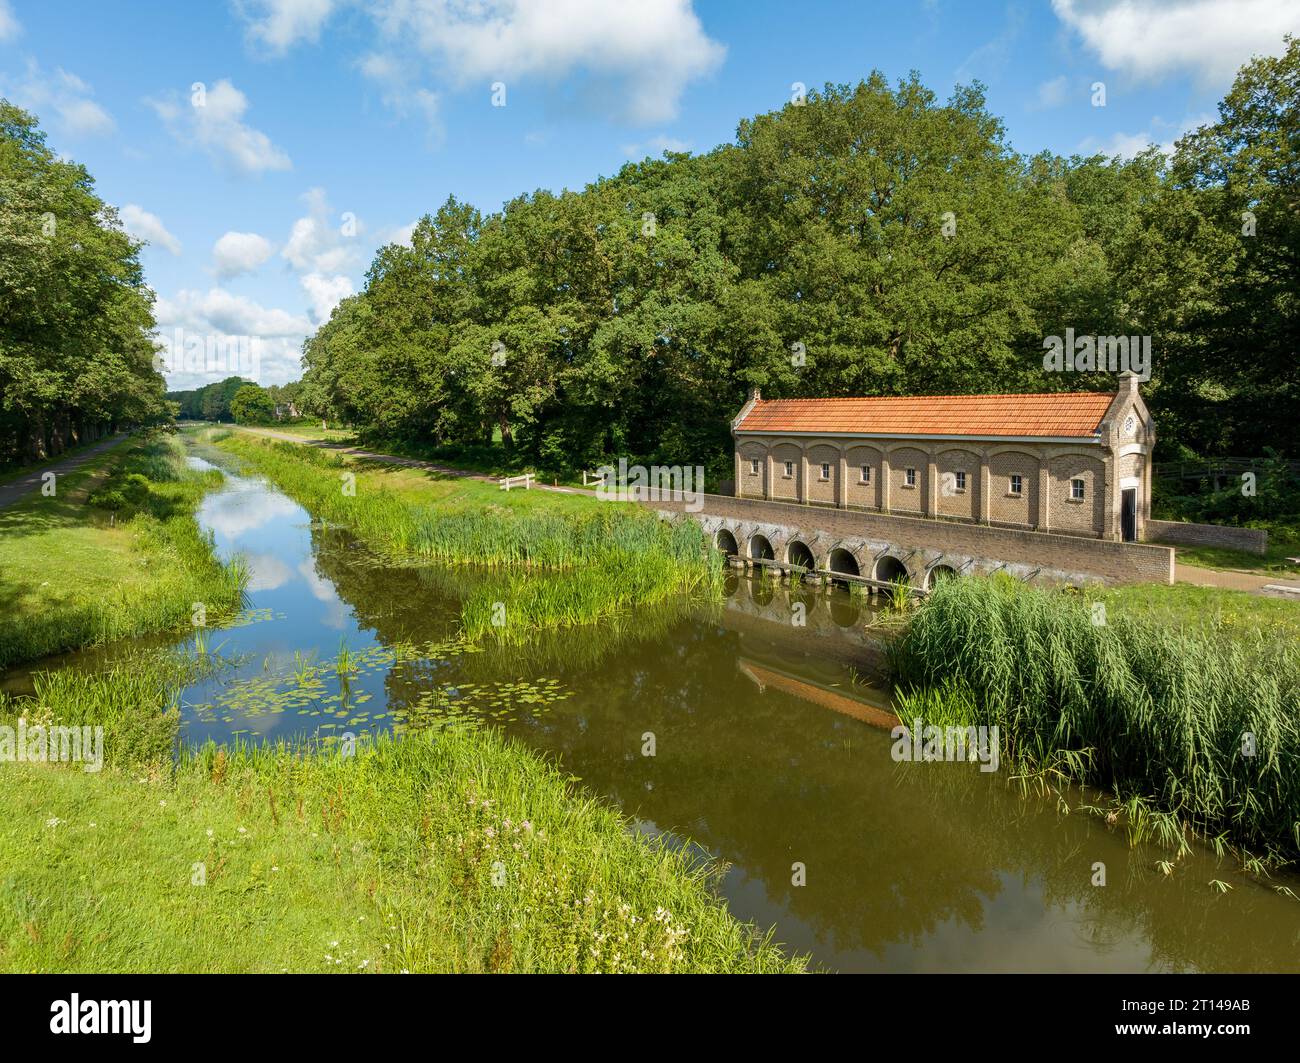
(76, 358)
(252, 405)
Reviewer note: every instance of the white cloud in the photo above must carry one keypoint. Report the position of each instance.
(280, 24)
(1152, 39)
(319, 243)
(212, 119)
(1162, 134)
(61, 97)
(652, 49)
(9, 27)
(218, 310)
(655, 146)
(325, 293)
(211, 335)
(1052, 93)
(236, 253)
(145, 226)
(399, 92)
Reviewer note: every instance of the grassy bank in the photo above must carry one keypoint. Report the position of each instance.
(450, 852)
(560, 560)
(115, 553)
(1193, 726)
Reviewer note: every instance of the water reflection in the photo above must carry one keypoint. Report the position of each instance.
(765, 755)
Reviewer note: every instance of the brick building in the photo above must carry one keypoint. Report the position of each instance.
(1073, 463)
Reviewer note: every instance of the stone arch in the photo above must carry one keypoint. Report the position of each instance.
(760, 547)
(902, 497)
(841, 559)
(859, 493)
(937, 573)
(955, 499)
(726, 542)
(786, 487)
(797, 552)
(751, 483)
(1004, 507)
(821, 453)
(889, 569)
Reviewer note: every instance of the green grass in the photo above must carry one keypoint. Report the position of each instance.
(1151, 711)
(1283, 543)
(115, 553)
(1225, 611)
(456, 851)
(558, 560)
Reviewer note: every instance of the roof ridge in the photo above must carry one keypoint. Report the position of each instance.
(980, 395)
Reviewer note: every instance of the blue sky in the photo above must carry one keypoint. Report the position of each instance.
(327, 127)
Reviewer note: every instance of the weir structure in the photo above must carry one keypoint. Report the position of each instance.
(877, 550)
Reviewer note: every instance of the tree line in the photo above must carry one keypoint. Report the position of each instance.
(238, 400)
(870, 239)
(77, 358)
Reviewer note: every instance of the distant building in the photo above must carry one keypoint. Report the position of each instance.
(1074, 464)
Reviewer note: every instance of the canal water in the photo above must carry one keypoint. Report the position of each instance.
(768, 754)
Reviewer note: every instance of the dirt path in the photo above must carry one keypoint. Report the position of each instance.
(413, 463)
(14, 490)
(1270, 586)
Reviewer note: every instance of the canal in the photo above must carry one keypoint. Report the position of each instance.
(768, 754)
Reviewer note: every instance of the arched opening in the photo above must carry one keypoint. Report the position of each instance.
(843, 561)
(798, 553)
(726, 542)
(760, 549)
(890, 570)
(938, 574)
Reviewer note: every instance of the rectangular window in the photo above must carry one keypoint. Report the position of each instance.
(789, 468)
(1076, 490)
(1017, 484)
(961, 481)
(753, 466)
(911, 477)
(866, 474)
(826, 470)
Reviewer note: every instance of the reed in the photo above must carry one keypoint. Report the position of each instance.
(455, 851)
(1201, 725)
(559, 567)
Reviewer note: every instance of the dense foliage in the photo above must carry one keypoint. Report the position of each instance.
(76, 357)
(219, 401)
(872, 240)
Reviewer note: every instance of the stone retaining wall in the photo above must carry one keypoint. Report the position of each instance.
(1180, 533)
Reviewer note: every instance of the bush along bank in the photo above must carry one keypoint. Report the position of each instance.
(556, 561)
(113, 558)
(1191, 729)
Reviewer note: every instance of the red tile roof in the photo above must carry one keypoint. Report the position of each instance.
(1069, 414)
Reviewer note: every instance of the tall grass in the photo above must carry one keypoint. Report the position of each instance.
(460, 851)
(560, 567)
(140, 522)
(1198, 724)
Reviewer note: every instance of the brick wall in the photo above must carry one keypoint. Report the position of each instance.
(1248, 540)
(1103, 558)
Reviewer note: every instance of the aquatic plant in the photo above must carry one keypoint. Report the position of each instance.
(559, 567)
(1201, 724)
(454, 850)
